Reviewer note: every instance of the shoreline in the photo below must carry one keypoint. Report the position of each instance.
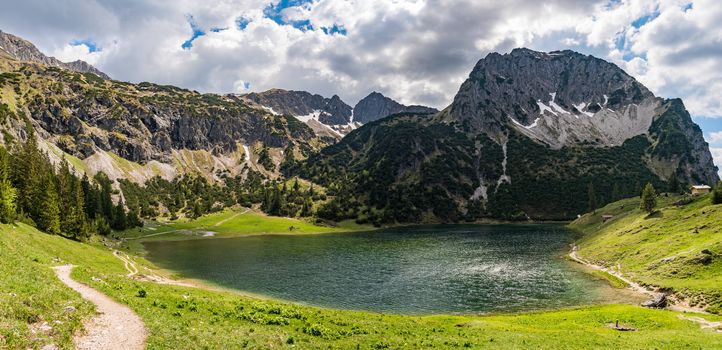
(680, 303)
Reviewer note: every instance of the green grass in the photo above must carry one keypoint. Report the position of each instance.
(613, 281)
(236, 222)
(30, 295)
(678, 248)
(190, 318)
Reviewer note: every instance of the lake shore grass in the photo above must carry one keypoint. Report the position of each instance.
(182, 317)
(677, 249)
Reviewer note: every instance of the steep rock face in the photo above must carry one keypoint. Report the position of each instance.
(566, 99)
(376, 106)
(23, 50)
(561, 98)
(301, 104)
(336, 111)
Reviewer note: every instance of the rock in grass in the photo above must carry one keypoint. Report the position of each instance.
(658, 302)
(69, 309)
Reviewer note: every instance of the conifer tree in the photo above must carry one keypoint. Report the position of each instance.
(77, 226)
(717, 194)
(306, 208)
(90, 194)
(8, 194)
(119, 217)
(27, 176)
(48, 209)
(649, 198)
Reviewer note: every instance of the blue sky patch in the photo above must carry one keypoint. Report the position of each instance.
(687, 7)
(218, 29)
(197, 32)
(639, 22)
(335, 29)
(274, 12)
(242, 23)
(90, 44)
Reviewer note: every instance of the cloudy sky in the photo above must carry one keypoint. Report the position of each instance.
(415, 51)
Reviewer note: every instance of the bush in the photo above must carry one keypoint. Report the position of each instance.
(717, 194)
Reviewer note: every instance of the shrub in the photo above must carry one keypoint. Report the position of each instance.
(717, 194)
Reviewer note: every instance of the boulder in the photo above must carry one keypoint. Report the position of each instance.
(659, 301)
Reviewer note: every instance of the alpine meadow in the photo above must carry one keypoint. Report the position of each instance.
(189, 175)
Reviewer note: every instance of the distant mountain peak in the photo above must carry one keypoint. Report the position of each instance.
(23, 50)
(376, 106)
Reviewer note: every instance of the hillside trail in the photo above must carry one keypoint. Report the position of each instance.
(219, 223)
(115, 327)
(680, 305)
(134, 272)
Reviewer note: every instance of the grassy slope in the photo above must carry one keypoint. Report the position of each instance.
(237, 222)
(180, 317)
(664, 249)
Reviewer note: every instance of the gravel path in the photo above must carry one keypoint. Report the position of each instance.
(115, 326)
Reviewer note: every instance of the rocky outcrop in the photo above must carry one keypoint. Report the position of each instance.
(23, 50)
(335, 112)
(139, 122)
(376, 106)
(331, 111)
(659, 301)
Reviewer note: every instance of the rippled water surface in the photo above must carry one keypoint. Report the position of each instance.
(433, 269)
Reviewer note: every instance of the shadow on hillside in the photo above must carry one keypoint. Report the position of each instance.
(654, 215)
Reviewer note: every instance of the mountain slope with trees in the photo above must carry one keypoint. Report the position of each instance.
(505, 151)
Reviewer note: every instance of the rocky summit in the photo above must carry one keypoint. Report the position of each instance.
(23, 50)
(331, 117)
(376, 106)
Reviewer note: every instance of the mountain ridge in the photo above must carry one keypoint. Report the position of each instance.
(23, 50)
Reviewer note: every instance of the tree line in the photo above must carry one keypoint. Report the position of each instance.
(53, 198)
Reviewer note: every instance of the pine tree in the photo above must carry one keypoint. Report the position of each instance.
(77, 225)
(592, 198)
(27, 176)
(119, 218)
(90, 194)
(296, 186)
(105, 202)
(717, 194)
(48, 210)
(8, 194)
(649, 198)
(306, 208)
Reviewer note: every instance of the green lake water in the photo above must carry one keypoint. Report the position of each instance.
(415, 270)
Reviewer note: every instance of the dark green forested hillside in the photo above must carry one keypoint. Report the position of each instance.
(409, 168)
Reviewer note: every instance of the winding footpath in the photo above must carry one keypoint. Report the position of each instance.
(680, 305)
(115, 327)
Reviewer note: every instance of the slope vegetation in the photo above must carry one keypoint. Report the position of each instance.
(677, 249)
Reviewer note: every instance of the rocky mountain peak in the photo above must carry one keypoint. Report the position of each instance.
(23, 50)
(376, 106)
(560, 98)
